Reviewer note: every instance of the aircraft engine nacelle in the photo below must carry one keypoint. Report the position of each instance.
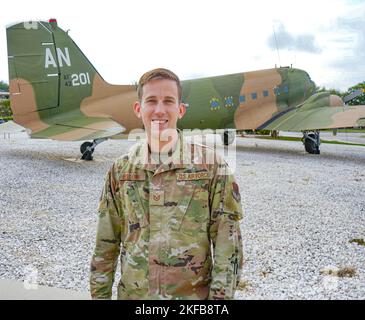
(322, 99)
(335, 101)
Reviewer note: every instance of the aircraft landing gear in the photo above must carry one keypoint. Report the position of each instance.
(311, 142)
(228, 137)
(87, 149)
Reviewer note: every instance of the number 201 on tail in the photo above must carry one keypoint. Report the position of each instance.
(80, 79)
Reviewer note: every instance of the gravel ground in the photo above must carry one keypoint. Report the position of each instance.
(301, 212)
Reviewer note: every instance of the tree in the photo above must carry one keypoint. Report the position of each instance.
(5, 110)
(4, 86)
(331, 91)
(360, 100)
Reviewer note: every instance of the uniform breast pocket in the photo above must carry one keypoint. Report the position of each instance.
(191, 216)
(134, 211)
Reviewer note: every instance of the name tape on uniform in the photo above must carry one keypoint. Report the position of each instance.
(193, 176)
(133, 177)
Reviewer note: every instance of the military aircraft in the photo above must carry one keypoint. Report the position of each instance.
(57, 93)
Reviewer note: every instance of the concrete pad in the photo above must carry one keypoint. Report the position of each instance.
(11, 127)
(16, 290)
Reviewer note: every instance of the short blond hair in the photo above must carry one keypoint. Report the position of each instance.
(156, 74)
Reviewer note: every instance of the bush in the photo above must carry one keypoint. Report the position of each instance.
(5, 110)
(259, 132)
(6, 118)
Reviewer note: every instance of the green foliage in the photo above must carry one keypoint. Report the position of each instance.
(5, 103)
(360, 242)
(6, 118)
(331, 91)
(5, 110)
(4, 86)
(360, 100)
(322, 141)
(259, 132)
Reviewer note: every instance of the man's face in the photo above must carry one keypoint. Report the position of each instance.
(159, 108)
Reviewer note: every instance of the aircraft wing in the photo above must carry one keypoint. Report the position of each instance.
(317, 113)
(80, 128)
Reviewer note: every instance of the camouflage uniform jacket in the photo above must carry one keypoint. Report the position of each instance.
(175, 226)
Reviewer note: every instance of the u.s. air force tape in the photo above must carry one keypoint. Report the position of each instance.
(193, 176)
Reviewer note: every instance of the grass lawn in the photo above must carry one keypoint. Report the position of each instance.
(350, 130)
(300, 139)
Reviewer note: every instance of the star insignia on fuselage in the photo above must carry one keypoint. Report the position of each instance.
(228, 102)
(214, 104)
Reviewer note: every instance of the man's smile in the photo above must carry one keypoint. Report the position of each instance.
(160, 121)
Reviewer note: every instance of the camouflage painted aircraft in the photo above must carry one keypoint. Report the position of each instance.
(56, 93)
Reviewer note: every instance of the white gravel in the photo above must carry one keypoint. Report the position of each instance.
(301, 211)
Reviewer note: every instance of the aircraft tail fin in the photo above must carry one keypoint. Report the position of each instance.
(49, 77)
(47, 71)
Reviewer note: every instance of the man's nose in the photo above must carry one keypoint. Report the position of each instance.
(160, 108)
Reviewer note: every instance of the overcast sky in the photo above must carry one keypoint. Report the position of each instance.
(123, 39)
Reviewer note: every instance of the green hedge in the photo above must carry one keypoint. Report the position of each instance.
(259, 132)
(6, 118)
(5, 110)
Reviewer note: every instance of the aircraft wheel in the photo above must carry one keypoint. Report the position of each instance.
(310, 145)
(86, 154)
(228, 137)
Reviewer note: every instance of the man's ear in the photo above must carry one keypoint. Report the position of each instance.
(137, 109)
(182, 110)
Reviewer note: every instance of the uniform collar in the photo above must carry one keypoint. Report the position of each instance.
(180, 158)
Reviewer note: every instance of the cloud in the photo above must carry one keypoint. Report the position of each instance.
(285, 40)
(351, 32)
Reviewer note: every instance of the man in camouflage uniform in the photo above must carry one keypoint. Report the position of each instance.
(174, 222)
